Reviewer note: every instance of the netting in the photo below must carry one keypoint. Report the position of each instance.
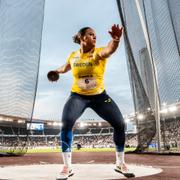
(21, 25)
(153, 60)
(164, 46)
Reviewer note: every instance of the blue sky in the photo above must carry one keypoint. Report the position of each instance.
(63, 18)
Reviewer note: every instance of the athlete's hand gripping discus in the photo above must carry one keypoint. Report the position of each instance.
(53, 76)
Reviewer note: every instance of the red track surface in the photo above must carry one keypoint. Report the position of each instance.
(169, 164)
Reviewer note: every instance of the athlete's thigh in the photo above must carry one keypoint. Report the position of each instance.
(73, 109)
(107, 109)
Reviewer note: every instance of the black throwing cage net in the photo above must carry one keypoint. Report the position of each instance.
(152, 44)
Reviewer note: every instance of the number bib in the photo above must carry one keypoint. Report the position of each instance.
(87, 83)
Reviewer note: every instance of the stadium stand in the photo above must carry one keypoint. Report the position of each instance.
(87, 134)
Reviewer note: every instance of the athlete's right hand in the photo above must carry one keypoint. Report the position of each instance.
(116, 32)
(53, 76)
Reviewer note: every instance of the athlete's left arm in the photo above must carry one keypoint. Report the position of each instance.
(116, 33)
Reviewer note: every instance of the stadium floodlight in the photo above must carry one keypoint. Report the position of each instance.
(164, 103)
(81, 125)
(172, 108)
(164, 111)
(9, 119)
(55, 124)
(60, 124)
(140, 116)
(127, 120)
(21, 121)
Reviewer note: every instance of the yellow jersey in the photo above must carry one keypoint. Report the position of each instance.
(88, 72)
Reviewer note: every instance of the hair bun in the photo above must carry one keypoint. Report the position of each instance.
(76, 39)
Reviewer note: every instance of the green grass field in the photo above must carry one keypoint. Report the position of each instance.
(45, 150)
(55, 150)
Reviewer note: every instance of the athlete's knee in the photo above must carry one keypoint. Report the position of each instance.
(119, 140)
(119, 136)
(120, 126)
(66, 139)
(67, 123)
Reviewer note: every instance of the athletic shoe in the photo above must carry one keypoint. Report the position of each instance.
(65, 173)
(124, 170)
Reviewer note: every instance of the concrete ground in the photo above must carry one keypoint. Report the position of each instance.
(82, 171)
(89, 165)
